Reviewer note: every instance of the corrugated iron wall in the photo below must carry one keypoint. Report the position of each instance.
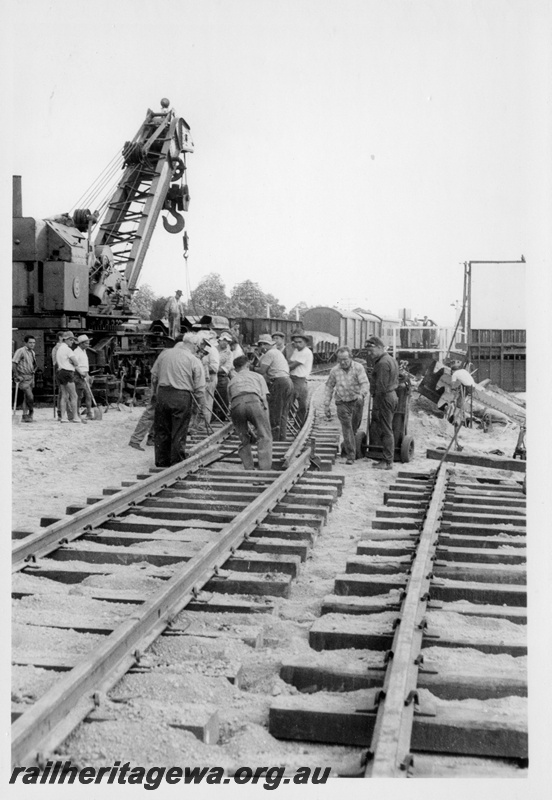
(501, 356)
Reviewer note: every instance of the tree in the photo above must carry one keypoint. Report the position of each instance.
(276, 308)
(158, 307)
(209, 296)
(142, 302)
(247, 299)
(298, 310)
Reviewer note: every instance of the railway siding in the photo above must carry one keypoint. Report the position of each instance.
(437, 617)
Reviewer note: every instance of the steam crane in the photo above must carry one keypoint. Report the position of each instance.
(78, 270)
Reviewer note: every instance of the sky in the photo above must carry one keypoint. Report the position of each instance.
(353, 152)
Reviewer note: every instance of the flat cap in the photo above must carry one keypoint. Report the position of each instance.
(265, 338)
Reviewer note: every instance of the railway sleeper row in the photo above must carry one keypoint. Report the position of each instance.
(157, 536)
(469, 699)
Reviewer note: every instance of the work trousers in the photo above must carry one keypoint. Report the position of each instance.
(68, 394)
(174, 325)
(279, 401)
(350, 416)
(383, 408)
(26, 387)
(210, 389)
(172, 417)
(144, 424)
(248, 408)
(221, 395)
(301, 394)
(83, 394)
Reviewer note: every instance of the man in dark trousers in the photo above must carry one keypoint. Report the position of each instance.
(275, 370)
(178, 377)
(384, 381)
(247, 393)
(24, 368)
(349, 382)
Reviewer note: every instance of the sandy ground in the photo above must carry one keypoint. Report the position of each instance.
(56, 464)
(53, 464)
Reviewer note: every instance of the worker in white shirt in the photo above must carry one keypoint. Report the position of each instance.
(210, 358)
(173, 310)
(300, 367)
(66, 363)
(82, 375)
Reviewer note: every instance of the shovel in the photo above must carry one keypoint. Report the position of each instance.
(15, 419)
(97, 412)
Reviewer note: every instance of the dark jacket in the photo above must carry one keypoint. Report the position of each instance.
(385, 375)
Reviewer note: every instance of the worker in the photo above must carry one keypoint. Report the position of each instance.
(55, 372)
(349, 382)
(225, 372)
(66, 364)
(279, 339)
(300, 367)
(427, 324)
(247, 393)
(236, 348)
(178, 379)
(173, 310)
(384, 381)
(209, 355)
(23, 370)
(82, 375)
(144, 426)
(462, 384)
(275, 370)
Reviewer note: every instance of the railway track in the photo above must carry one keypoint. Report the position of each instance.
(431, 616)
(199, 533)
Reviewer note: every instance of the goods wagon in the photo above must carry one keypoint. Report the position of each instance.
(349, 328)
(249, 329)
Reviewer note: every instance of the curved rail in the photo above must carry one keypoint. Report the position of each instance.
(43, 542)
(63, 706)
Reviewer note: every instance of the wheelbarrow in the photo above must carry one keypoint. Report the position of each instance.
(369, 444)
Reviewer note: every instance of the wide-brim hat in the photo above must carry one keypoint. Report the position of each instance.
(68, 335)
(265, 338)
(82, 338)
(226, 336)
(299, 335)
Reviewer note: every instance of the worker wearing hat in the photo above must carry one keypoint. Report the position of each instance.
(279, 339)
(67, 362)
(247, 393)
(174, 311)
(82, 375)
(300, 367)
(384, 380)
(225, 372)
(275, 370)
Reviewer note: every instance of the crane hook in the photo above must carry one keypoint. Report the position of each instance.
(177, 226)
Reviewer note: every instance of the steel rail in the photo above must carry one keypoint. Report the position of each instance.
(45, 541)
(302, 438)
(390, 747)
(62, 707)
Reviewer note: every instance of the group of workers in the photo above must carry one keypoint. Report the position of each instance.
(71, 376)
(203, 372)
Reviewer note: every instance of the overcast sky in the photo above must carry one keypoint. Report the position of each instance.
(356, 151)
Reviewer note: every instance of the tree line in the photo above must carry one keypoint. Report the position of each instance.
(246, 299)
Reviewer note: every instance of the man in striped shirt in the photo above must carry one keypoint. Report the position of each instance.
(349, 382)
